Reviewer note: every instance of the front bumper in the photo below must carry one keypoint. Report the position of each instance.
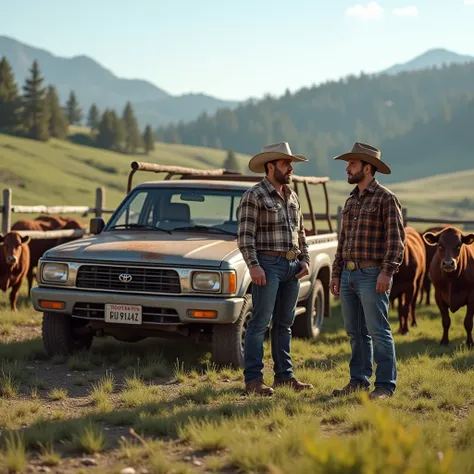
(228, 309)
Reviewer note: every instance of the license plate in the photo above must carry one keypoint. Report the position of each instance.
(123, 313)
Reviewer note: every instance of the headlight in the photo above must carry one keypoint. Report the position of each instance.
(207, 281)
(55, 272)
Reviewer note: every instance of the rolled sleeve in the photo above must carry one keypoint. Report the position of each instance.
(303, 244)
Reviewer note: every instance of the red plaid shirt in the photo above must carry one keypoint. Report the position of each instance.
(372, 229)
(267, 222)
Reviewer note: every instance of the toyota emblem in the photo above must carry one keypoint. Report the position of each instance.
(125, 277)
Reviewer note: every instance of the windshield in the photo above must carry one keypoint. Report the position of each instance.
(173, 209)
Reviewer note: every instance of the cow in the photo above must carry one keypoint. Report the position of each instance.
(14, 264)
(39, 246)
(408, 281)
(430, 251)
(452, 276)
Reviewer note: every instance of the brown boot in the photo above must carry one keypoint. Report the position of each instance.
(380, 392)
(293, 383)
(348, 389)
(259, 388)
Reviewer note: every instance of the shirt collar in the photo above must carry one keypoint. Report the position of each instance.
(271, 189)
(371, 187)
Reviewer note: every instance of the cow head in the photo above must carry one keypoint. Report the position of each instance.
(449, 242)
(11, 246)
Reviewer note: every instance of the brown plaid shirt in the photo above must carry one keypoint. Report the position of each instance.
(267, 222)
(372, 229)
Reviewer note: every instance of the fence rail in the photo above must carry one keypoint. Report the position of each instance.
(7, 209)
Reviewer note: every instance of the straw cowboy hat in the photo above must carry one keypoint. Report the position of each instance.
(275, 151)
(367, 153)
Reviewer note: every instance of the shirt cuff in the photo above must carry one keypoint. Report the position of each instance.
(336, 273)
(388, 269)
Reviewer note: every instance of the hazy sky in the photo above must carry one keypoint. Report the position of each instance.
(245, 48)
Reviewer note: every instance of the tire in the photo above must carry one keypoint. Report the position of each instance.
(59, 337)
(309, 324)
(228, 339)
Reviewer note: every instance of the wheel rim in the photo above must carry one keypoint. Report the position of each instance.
(318, 314)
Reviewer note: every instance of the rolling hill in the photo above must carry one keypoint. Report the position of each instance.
(93, 83)
(61, 173)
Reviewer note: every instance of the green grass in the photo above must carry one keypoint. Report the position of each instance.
(59, 172)
(164, 406)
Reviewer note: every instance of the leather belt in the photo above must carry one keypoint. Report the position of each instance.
(351, 265)
(290, 255)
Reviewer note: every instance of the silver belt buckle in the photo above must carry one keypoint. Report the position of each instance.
(290, 255)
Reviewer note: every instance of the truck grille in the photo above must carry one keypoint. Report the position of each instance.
(150, 314)
(150, 280)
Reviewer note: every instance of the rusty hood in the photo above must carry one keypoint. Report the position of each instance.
(143, 247)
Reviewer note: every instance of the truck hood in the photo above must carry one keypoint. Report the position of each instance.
(143, 247)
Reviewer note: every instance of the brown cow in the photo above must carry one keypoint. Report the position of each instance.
(14, 263)
(430, 251)
(452, 275)
(39, 246)
(408, 281)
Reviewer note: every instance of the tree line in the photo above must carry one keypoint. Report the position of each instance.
(37, 113)
(325, 120)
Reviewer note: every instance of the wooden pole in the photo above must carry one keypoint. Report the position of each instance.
(404, 214)
(7, 211)
(339, 220)
(99, 201)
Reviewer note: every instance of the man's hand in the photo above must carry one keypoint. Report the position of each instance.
(304, 270)
(258, 276)
(383, 283)
(334, 286)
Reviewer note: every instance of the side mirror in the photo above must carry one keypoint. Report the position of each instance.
(96, 225)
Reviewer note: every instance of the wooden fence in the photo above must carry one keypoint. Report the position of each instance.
(7, 209)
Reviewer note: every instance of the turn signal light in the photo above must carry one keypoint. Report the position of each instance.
(46, 304)
(202, 314)
(232, 282)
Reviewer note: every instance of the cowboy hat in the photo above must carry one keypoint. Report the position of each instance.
(367, 153)
(275, 151)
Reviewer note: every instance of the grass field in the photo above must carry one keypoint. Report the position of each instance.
(162, 407)
(59, 172)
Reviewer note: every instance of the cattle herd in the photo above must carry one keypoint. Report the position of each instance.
(442, 257)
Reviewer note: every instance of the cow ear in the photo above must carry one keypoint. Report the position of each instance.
(430, 238)
(26, 239)
(468, 239)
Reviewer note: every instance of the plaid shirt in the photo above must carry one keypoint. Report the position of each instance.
(372, 229)
(267, 222)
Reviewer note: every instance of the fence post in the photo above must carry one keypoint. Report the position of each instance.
(339, 220)
(99, 201)
(7, 211)
(404, 214)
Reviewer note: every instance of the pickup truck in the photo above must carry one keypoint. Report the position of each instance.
(167, 264)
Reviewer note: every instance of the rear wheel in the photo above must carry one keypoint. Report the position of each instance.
(309, 324)
(62, 336)
(228, 339)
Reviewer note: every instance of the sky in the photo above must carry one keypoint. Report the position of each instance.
(245, 48)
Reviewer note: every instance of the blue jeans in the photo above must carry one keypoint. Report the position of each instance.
(365, 314)
(277, 298)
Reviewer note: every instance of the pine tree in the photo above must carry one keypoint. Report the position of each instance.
(231, 162)
(111, 131)
(73, 111)
(9, 100)
(57, 120)
(93, 118)
(148, 140)
(132, 134)
(35, 112)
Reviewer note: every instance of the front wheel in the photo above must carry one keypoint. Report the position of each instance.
(228, 339)
(60, 336)
(309, 324)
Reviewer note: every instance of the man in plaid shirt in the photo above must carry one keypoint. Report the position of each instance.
(272, 241)
(370, 250)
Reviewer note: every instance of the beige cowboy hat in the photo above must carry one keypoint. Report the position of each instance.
(367, 153)
(275, 151)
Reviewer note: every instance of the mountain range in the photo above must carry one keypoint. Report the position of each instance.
(93, 83)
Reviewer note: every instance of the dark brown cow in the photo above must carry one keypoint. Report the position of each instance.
(39, 246)
(14, 263)
(452, 275)
(408, 281)
(430, 251)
